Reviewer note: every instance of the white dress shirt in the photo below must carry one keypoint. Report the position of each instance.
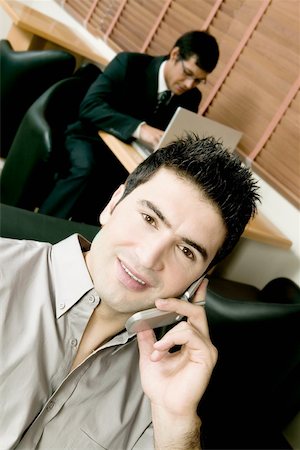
(162, 86)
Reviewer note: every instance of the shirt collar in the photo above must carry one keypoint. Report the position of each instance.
(162, 85)
(72, 279)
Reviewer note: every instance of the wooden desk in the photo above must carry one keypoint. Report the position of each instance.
(125, 153)
(33, 30)
(259, 229)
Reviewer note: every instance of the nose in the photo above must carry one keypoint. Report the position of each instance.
(152, 254)
(189, 83)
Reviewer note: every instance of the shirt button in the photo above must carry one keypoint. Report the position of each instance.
(92, 299)
(73, 342)
(61, 306)
(50, 405)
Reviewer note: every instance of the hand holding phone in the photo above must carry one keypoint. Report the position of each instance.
(154, 318)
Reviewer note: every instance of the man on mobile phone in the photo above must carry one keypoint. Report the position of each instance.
(71, 376)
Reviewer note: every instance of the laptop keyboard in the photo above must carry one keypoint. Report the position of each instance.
(143, 149)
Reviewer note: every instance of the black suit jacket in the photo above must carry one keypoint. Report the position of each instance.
(124, 95)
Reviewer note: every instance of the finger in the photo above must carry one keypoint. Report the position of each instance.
(182, 335)
(158, 137)
(200, 294)
(146, 340)
(199, 300)
(195, 314)
(198, 297)
(176, 336)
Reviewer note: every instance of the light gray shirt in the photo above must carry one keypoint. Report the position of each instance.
(47, 298)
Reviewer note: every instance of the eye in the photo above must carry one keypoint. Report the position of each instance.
(187, 253)
(149, 219)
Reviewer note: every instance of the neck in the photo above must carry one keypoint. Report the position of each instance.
(109, 322)
(103, 324)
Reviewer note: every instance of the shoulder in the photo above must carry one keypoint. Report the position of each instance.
(194, 93)
(23, 255)
(24, 245)
(135, 58)
(191, 99)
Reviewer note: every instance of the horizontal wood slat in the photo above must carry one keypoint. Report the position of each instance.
(103, 15)
(134, 24)
(81, 7)
(280, 157)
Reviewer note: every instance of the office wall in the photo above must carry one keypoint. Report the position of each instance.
(251, 262)
(5, 23)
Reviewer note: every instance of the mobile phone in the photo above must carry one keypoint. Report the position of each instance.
(154, 318)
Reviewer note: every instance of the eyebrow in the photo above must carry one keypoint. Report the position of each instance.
(189, 71)
(202, 250)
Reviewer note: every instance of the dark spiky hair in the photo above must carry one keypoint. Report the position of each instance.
(219, 175)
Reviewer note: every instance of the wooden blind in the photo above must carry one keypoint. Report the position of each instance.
(78, 8)
(255, 86)
(102, 16)
(95, 15)
(134, 24)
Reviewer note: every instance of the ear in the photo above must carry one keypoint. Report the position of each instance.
(107, 211)
(174, 54)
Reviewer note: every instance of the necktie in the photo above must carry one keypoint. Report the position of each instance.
(163, 99)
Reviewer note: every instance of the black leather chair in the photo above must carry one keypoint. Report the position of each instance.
(17, 223)
(24, 76)
(37, 151)
(255, 388)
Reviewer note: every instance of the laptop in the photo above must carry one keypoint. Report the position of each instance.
(183, 121)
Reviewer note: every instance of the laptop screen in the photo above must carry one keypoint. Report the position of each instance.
(184, 121)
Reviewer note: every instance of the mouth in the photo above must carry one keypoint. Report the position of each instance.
(134, 277)
(180, 90)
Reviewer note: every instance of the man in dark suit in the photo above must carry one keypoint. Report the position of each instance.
(124, 101)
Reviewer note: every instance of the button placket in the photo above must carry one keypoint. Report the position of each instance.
(92, 299)
(73, 342)
(50, 405)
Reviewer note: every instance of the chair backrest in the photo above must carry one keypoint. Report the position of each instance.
(254, 391)
(17, 223)
(24, 76)
(38, 148)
